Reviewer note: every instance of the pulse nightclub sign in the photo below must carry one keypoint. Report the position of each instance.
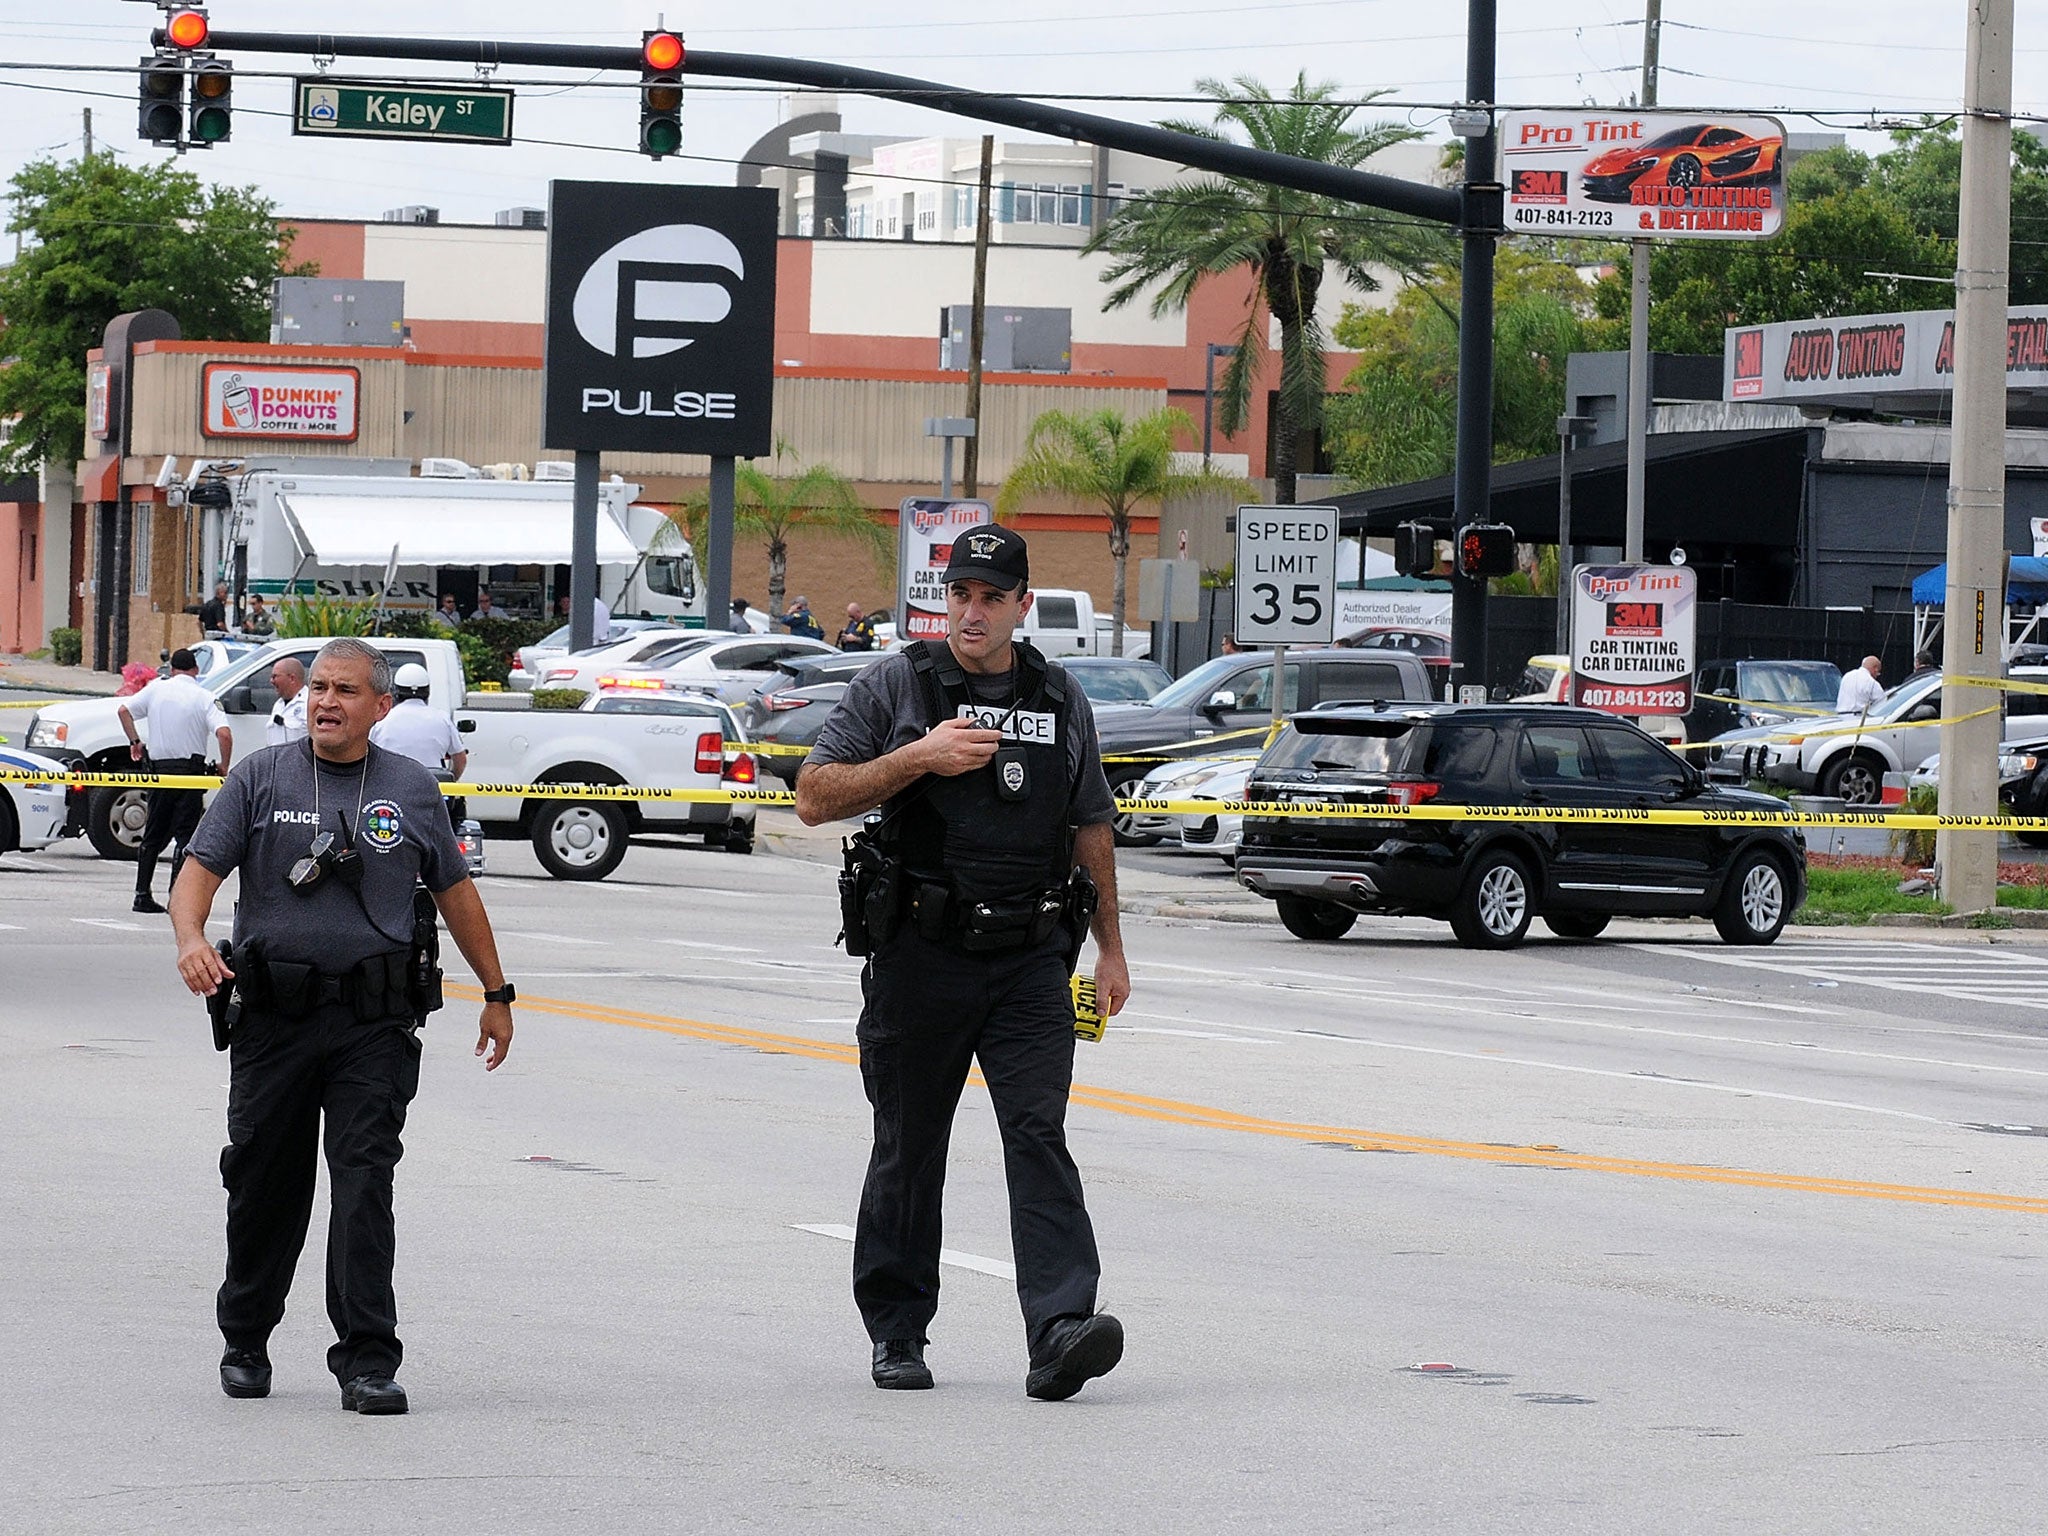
(1643, 175)
(661, 319)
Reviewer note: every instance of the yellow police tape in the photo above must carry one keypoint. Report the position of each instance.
(32, 703)
(1664, 816)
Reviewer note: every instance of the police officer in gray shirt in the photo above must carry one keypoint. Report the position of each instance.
(332, 836)
(985, 757)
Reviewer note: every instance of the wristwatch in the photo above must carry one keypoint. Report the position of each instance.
(505, 994)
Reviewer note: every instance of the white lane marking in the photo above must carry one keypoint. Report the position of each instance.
(553, 938)
(1635, 1077)
(729, 949)
(1000, 1268)
(13, 927)
(111, 922)
(1189, 1034)
(1955, 989)
(1739, 1004)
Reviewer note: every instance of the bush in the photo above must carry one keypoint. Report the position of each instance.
(481, 661)
(1915, 845)
(299, 618)
(67, 647)
(558, 698)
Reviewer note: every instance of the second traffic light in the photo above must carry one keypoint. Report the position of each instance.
(661, 94)
(160, 99)
(213, 89)
(1486, 549)
(1415, 549)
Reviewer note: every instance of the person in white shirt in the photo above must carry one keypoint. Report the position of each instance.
(446, 616)
(179, 712)
(1860, 688)
(484, 610)
(288, 714)
(417, 730)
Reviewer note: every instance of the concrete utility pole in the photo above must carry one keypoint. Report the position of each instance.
(1639, 323)
(977, 329)
(88, 133)
(1973, 616)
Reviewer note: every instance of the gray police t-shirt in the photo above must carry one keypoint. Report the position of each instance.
(264, 820)
(884, 708)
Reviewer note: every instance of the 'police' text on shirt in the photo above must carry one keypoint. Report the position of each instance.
(1023, 725)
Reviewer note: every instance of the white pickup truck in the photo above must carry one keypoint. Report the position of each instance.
(1064, 622)
(655, 740)
(86, 733)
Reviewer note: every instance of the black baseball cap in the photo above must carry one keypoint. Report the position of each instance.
(993, 554)
(182, 660)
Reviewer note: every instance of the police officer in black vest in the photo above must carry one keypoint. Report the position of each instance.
(970, 894)
(319, 1002)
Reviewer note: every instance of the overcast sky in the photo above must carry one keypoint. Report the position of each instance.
(1843, 59)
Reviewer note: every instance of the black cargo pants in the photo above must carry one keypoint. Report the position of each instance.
(930, 1011)
(285, 1076)
(173, 816)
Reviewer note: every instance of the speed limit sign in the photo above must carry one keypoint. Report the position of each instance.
(1286, 575)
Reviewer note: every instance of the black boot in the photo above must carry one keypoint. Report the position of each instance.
(1080, 1350)
(245, 1373)
(900, 1367)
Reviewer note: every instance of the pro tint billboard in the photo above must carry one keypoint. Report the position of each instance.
(1643, 175)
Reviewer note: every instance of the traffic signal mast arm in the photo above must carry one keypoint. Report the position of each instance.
(1440, 205)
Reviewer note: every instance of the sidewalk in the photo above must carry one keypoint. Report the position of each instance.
(20, 675)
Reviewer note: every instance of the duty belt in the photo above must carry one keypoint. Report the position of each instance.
(942, 916)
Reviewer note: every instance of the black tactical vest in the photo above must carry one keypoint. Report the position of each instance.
(960, 831)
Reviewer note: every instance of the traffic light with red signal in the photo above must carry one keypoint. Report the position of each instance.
(184, 93)
(661, 94)
(1486, 549)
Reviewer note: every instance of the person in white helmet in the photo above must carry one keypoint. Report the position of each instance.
(417, 730)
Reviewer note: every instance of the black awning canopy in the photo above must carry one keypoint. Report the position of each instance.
(1726, 488)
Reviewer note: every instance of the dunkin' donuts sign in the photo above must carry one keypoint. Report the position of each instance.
(245, 400)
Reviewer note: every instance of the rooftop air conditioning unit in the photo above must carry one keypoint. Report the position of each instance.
(412, 213)
(554, 469)
(521, 218)
(446, 469)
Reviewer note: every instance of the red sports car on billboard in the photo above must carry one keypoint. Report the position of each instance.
(1698, 155)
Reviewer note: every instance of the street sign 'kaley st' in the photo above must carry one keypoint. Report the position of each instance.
(353, 109)
(661, 319)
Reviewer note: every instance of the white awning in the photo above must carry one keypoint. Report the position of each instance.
(347, 530)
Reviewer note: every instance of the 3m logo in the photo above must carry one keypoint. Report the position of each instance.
(1749, 364)
(1635, 618)
(1539, 186)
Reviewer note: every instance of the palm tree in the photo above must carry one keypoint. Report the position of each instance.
(1113, 462)
(1166, 244)
(770, 507)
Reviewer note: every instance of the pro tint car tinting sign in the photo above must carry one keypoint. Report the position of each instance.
(1643, 175)
(661, 318)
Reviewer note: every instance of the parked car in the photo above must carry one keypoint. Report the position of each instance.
(648, 647)
(730, 666)
(212, 656)
(1432, 648)
(789, 707)
(1734, 695)
(529, 661)
(33, 814)
(2022, 779)
(1548, 680)
(1847, 756)
(1488, 879)
(1218, 832)
(1186, 778)
(1117, 679)
(1232, 697)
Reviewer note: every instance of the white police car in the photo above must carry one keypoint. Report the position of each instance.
(32, 813)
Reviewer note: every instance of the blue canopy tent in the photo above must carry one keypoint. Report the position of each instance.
(2026, 586)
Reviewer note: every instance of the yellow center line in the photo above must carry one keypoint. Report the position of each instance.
(1206, 1117)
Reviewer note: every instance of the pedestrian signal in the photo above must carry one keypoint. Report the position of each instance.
(1486, 549)
(1415, 549)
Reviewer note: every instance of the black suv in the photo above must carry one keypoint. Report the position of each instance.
(1490, 877)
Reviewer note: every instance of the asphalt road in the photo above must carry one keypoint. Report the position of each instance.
(1647, 1234)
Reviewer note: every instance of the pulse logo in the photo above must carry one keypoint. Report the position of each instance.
(652, 294)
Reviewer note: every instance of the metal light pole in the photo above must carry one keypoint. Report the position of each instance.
(1639, 325)
(1973, 614)
(1216, 349)
(1480, 225)
(1569, 430)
